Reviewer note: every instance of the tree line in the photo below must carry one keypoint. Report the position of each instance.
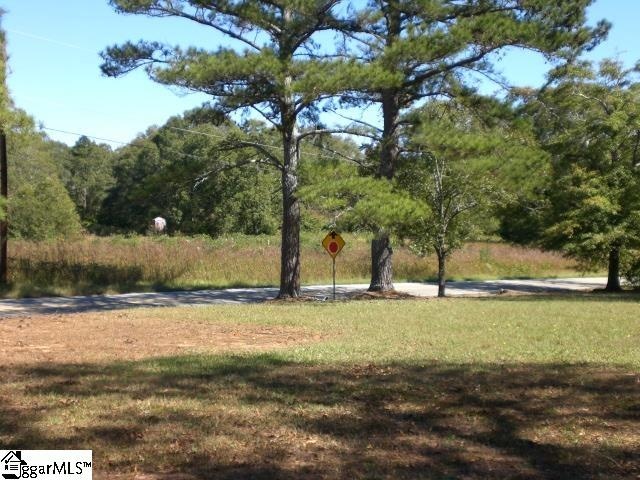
(555, 167)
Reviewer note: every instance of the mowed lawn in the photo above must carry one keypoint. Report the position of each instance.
(530, 387)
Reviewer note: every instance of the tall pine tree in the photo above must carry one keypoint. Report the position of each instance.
(278, 70)
(415, 50)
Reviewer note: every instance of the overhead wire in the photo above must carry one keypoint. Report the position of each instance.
(48, 40)
(194, 132)
(110, 140)
(331, 152)
(42, 127)
(78, 47)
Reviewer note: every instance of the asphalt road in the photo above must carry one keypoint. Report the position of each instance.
(58, 305)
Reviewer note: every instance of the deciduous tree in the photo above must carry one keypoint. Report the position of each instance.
(451, 166)
(588, 119)
(88, 175)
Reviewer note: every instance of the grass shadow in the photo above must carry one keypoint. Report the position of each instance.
(595, 296)
(260, 416)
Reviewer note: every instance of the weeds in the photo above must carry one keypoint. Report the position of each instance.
(121, 264)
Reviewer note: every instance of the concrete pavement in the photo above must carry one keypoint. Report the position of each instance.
(61, 305)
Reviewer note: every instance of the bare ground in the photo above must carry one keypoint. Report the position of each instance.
(106, 337)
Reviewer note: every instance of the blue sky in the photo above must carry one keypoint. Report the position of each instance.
(55, 76)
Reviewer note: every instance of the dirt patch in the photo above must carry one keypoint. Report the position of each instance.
(388, 295)
(106, 337)
(345, 297)
(300, 299)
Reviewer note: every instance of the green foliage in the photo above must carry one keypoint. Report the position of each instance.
(6, 105)
(447, 170)
(267, 72)
(411, 50)
(39, 206)
(415, 47)
(361, 203)
(191, 181)
(87, 174)
(588, 121)
(42, 210)
(630, 266)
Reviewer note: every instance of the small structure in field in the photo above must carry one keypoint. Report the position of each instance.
(159, 225)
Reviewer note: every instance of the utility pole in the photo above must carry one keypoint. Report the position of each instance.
(4, 192)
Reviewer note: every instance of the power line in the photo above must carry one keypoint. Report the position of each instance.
(222, 137)
(84, 135)
(193, 132)
(117, 141)
(49, 40)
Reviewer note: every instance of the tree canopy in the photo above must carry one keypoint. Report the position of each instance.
(414, 50)
(588, 119)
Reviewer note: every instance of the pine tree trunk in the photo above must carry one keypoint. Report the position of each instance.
(290, 245)
(613, 280)
(381, 252)
(442, 258)
(381, 266)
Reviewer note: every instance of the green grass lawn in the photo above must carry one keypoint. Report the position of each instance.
(531, 387)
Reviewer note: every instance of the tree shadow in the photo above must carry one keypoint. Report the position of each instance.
(594, 296)
(34, 279)
(262, 417)
(38, 278)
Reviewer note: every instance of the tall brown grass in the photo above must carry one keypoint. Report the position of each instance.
(119, 264)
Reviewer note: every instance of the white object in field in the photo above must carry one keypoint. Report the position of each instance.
(159, 224)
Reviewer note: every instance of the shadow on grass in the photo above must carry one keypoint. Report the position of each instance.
(39, 278)
(260, 417)
(595, 296)
(33, 279)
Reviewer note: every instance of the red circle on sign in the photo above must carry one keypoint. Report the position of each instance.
(333, 247)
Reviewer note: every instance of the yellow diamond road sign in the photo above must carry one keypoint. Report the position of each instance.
(333, 243)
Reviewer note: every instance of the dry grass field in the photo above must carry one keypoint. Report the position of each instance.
(116, 264)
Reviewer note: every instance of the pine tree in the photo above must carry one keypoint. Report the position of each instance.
(279, 73)
(416, 50)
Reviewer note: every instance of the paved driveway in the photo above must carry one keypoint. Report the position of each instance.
(39, 306)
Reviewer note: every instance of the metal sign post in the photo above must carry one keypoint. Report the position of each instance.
(334, 279)
(333, 244)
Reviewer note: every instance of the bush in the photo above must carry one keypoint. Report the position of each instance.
(42, 211)
(630, 267)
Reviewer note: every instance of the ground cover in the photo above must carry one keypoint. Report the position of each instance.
(530, 387)
(91, 265)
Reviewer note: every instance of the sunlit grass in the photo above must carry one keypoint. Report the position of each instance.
(542, 329)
